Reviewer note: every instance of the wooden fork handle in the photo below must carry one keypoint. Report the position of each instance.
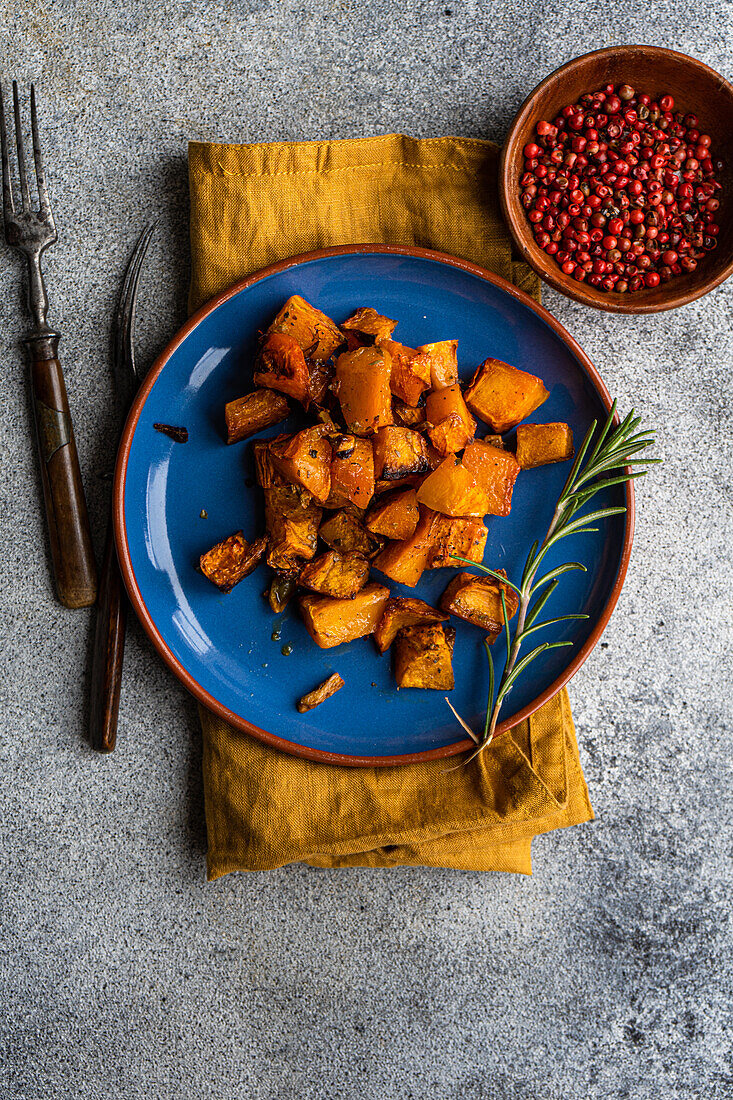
(109, 650)
(63, 492)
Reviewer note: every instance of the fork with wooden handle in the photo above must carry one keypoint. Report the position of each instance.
(109, 636)
(32, 231)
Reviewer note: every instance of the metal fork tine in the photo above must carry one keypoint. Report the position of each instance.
(45, 204)
(8, 206)
(125, 315)
(21, 151)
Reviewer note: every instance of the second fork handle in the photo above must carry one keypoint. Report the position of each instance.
(66, 509)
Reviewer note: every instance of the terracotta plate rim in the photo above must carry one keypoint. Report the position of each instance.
(125, 559)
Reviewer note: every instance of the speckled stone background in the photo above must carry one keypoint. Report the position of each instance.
(122, 974)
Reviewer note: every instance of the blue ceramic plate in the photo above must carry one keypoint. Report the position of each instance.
(220, 646)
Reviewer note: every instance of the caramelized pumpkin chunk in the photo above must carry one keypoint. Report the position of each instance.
(362, 387)
(252, 414)
(291, 519)
(305, 459)
(502, 395)
(265, 472)
(400, 612)
(399, 452)
(313, 331)
(450, 424)
(344, 531)
(395, 516)
(478, 601)
(452, 490)
(410, 372)
(405, 561)
(331, 622)
(334, 574)
(424, 657)
(466, 538)
(231, 560)
(367, 322)
(281, 365)
(406, 415)
(281, 590)
(495, 471)
(319, 695)
(539, 444)
(352, 472)
(443, 362)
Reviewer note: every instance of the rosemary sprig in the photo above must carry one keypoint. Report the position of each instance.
(615, 449)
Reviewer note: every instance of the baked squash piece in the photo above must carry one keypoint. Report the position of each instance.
(291, 520)
(478, 601)
(352, 472)
(362, 387)
(463, 537)
(399, 452)
(501, 395)
(410, 372)
(395, 516)
(402, 611)
(495, 471)
(253, 413)
(407, 415)
(280, 365)
(452, 490)
(450, 424)
(265, 471)
(305, 459)
(315, 333)
(231, 560)
(334, 574)
(405, 561)
(368, 323)
(423, 657)
(443, 362)
(345, 532)
(332, 622)
(539, 444)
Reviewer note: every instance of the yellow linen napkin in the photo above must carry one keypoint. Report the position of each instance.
(252, 205)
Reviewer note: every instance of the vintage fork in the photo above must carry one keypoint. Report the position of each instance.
(32, 231)
(109, 637)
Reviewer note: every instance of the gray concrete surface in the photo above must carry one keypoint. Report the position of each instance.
(122, 974)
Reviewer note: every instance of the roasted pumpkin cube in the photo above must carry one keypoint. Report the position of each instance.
(401, 611)
(382, 486)
(319, 378)
(478, 601)
(404, 561)
(252, 414)
(450, 424)
(539, 444)
(280, 365)
(344, 531)
(319, 695)
(291, 519)
(265, 472)
(370, 324)
(495, 472)
(395, 516)
(443, 361)
(466, 538)
(407, 415)
(281, 591)
(231, 560)
(423, 657)
(352, 472)
(313, 331)
(305, 459)
(452, 490)
(334, 574)
(410, 372)
(399, 452)
(362, 387)
(502, 395)
(332, 622)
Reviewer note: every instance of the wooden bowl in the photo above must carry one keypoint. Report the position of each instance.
(697, 90)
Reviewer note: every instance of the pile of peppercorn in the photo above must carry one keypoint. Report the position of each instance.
(620, 189)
